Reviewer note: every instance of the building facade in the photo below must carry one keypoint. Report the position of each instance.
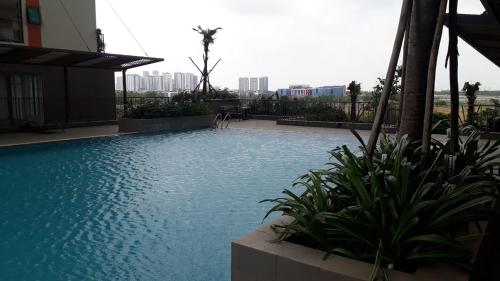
(244, 84)
(168, 83)
(264, 84)
(46, 23)
(254, 84)
(331, 91)
(155, 82)
(52, 69)
(300, 91)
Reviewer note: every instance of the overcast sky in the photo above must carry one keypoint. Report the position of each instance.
(316, 42)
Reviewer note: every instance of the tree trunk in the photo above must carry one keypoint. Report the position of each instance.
(422, 27)
(389, 79)
(431, 80)
(454, 94)
(471, 111)
(205, 72)
(353, 110)
(403, 71)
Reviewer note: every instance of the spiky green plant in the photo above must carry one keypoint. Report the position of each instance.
(470, 90)
(385, 211)
(354, 92)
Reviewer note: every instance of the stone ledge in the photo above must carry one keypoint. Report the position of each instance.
(170, 124)
(256, 257)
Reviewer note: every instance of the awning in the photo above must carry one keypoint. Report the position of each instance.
(482, 32)
(16, 54)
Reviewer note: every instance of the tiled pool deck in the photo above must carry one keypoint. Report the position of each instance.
(57, 135)
(112, 130)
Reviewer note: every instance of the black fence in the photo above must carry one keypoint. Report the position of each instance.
(313, 110)
(321, 110)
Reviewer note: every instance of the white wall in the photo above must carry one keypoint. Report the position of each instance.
(58, 30)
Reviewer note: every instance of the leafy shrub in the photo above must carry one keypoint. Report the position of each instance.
(441, 123)
(152, 110)
(389, 209)
(324, 112)
(187, 96)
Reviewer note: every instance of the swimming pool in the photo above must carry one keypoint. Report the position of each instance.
(144, 207)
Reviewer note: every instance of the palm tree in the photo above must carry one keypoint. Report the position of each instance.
(354, 91)
(470, 91)
(208, 38)
(421, 35)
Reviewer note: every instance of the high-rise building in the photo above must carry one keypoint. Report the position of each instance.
(264, 84)
(254, 84)
(188, 81)
(244, 84)
(119, 83)
(167, 82)
(133, 83)
(195, 81)
(179, 81)
(157, 82)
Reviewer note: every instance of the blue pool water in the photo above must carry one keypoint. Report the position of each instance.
(144, 207)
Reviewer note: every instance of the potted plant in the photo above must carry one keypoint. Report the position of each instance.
(381, 217)
(157, 116)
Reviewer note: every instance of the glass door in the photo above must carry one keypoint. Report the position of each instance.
(26, 97)
(4, 102)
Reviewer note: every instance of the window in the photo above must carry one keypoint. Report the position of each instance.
(26, 96)
(20, 98)
(11, 22)
(34, 16)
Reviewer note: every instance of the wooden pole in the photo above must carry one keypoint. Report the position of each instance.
(125, 98)
(403, 70)
(454, 90)
(389, 79)
(431, 80)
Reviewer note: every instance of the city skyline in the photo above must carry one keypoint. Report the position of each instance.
(317, 43)
(153, 81)
(253, 84)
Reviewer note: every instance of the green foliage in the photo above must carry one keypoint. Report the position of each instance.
(440, 122)
(324, 112)
(389, 210)
(208, 35)
(187, 96)
(470, 91)
(440, 103)
(152, 110)
(132, 94)
(379, 88)
(354, 90)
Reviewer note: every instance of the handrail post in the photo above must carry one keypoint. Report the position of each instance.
(125, 99)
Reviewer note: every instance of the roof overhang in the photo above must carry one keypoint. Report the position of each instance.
(482, 32)
(492, 8)
(16, 54)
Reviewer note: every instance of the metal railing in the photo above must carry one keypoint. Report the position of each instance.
(304, 109)
(311, 110)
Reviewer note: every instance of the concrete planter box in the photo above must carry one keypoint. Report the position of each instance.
(254, 257)
(328, 124)
(170, 124)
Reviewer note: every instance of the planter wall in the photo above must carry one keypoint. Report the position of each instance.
(165, 124)
(327, 124)
(215, 105)
(255, 257)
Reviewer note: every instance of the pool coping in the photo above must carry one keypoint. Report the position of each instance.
(11, 145)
